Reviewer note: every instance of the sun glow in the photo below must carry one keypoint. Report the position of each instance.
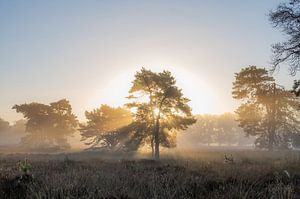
(193, 86)
(156, 111)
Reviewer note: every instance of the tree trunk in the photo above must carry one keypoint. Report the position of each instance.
(156, 136)
(272, 123)
(152, 147)
(271, 140)
(157, 128)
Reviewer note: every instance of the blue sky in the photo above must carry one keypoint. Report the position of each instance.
(88, 51)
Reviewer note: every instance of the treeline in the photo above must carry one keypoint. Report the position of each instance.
(157, 111)
(268, 115)
(11, 134)
(215, 130)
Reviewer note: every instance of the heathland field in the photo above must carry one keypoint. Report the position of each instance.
(200, 174)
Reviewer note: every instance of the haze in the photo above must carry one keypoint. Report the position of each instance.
(149, 99)
(89, 51)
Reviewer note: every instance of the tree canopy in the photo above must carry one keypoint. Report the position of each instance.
(48, 126)
(101, 128)
(267, 110)
(160, 104)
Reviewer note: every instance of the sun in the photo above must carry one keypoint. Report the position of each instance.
(204, 99)
(193, 86)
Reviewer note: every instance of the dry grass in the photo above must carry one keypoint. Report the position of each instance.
(202, 174)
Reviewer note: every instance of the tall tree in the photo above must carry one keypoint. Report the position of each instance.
(164, 106)
(286, 17)
(267, 110)
(101, 128)
(48, 126)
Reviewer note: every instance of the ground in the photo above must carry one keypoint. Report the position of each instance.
(185, 174)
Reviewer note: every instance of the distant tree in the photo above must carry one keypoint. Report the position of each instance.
(267, 110)
(165, 109)
(19, 127)
(4, 126)
(215, 129)
(101, 128)
(48, 126)
(203, 131)
(287, 18)
(227, 129)
(11, 134)
(17, 131)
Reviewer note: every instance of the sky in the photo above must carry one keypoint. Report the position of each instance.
(89, 51)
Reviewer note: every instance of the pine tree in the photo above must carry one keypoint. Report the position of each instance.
(267, 111)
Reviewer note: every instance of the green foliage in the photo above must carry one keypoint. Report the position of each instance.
(66, 159)
(267, 110)
(25, 167)
(47, 125)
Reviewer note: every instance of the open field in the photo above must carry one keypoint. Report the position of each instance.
(201, 174)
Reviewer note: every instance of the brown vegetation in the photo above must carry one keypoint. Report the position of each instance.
(250, 174)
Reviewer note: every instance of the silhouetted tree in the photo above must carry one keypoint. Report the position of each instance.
(48, 126)
(101, 128)
(140, 132)
(287, 18)
(165, 108)
(267, 110)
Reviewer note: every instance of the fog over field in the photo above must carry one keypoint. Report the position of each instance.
(130, 99)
